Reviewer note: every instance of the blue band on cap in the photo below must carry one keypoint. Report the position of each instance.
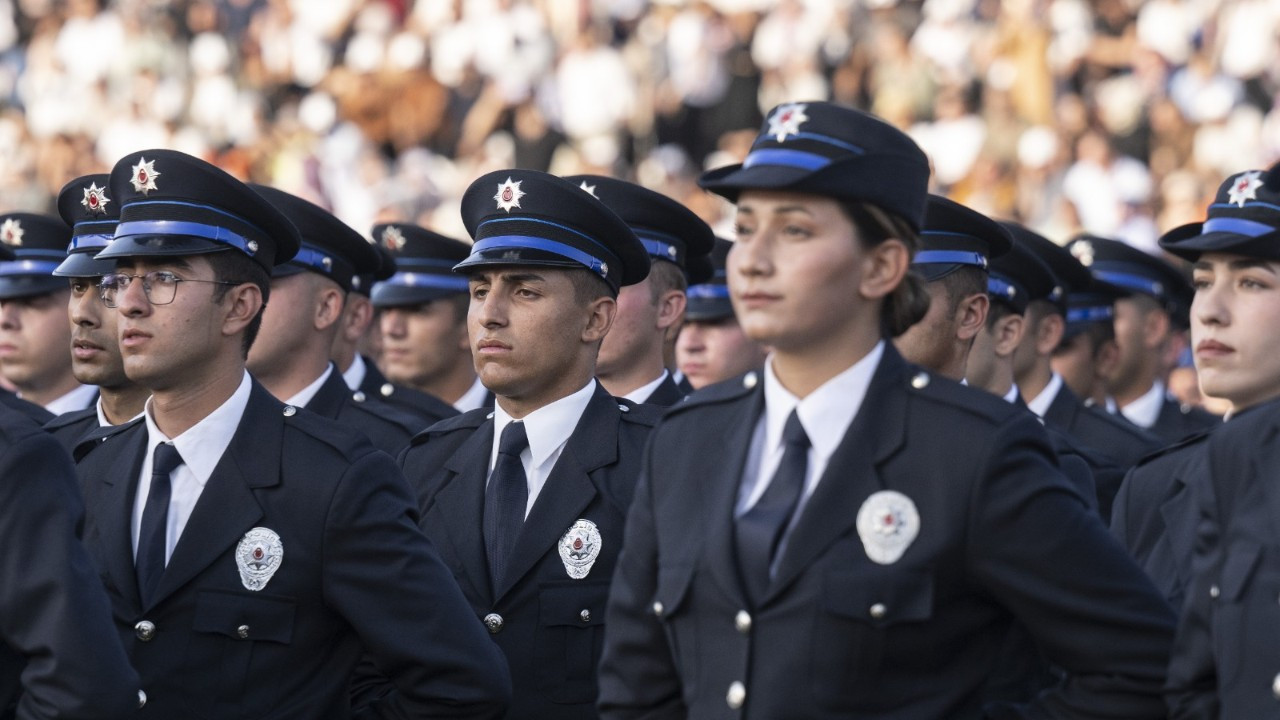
(708, 291)
(431, 280)
(1001, 288)
(80, 242)
(788, 158)
(28, 267)
(1130, 281)
(1252, 204)
(1238, 226)
(424, 263)
(312, 257)
(525, 242)
(202, 206)
(1090, 314)
(659, 249)
(216, 233)
(949, 257)
(556, 225)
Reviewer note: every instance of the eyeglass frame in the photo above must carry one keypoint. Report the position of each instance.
(146, 278)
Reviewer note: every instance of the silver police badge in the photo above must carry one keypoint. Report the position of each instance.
(258, 556)
(888, 523)
(579, 548)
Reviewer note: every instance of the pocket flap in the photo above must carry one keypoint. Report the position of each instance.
(580, 604)
(880, 596)
(673, 587)
(1236, 570)
(244, 617)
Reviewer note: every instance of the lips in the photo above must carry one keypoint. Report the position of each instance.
(492, 347)
(131, 338)
(1213, 348)
(84, 349)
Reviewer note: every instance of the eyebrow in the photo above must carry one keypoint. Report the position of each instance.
(178, 263)
(509, 276)
(1243, 264)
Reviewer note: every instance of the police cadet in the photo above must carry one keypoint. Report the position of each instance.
(527, 502)
(632, 360)
(865, 533)
(1053, 323)
(252, 551)
(34, 332)
(712, 346)
(1226, 663)
(291, 355)
(422, 310)
(359, 323)
(1145, 322)
(95, 347)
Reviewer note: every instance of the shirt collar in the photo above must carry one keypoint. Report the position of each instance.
(304, 396)
(204, 443)
(102, 416)
(473, 398)
(1040, 403)
(644, 392)
(1012, 395)
(355, 374)
(825, 413)
(548, 427)
(78, 399)
(1144, 411)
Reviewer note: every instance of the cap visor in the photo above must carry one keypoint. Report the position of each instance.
(84, 264)
(728, 181)
(19, 286)
(160, 246)
(1190, 248)
(387, 295)
(708, 309)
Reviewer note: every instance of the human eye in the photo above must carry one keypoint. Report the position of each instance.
(79, 286)
(114, 281)
(162, 277)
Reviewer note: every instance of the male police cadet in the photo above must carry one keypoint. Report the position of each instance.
(711, 346)
(291, 355)
(1145, 322)
(422, 310)
(95, 347)
(843, 534)
(632, 360)
(1225, 664)
(527, 502)
(34, 332)
(252, 551)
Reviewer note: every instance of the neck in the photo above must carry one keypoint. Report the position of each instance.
(45, 394)
(624, 381)
(453, 384)
(1001, 380)
(289, 379)
(1125, 396)
(343, 355)
(122, 404)
(1036, 379)
(176, 410)
(519, 406)
(803, 370)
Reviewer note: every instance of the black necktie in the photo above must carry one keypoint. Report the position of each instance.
(155, 520)
(505, 500)
(760, 529)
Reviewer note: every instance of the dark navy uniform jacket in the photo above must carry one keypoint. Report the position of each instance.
(1116, 439)
(667, 393)
(551, 626)
(428, 408)
(1177, 422)
(26, 407)
(1226, 660)
(57, 641)
(72, 427)
(1002, 537)
(356, 575)
(389, 428)
(1155, 514)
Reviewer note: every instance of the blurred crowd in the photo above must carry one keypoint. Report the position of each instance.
(1114, 117)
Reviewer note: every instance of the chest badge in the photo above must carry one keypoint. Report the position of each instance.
(258, 556)
(888, 523)
(579, 548)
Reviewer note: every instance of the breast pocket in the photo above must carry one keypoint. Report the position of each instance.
(569, 638)
(228, 632)
(861, 611)
(1232, 621)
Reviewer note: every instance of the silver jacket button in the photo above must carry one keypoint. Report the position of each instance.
(737, 695)
(242, 632)
(585, 615)
(878, 610)
(142, 699)
(657, 608)
(145, 630)
(494, 622)
(742, 621)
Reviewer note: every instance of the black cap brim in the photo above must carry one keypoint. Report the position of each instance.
(518, 257)
(704, 309)
(20, 286)
(84, 264)
(1188, 243)
(160, 246)
(386, 295)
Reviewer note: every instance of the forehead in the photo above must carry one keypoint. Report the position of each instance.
(188, 263)
(1232, 261)
(767, 201)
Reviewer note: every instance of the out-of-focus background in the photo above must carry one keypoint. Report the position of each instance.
(1115, 117)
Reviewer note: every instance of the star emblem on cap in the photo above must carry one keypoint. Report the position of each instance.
(786, 120)
(1083, 251)
(589, 189)
(392, 238)
(11, 232)
(95, 199)
(144, 176)
(509, 195)
(1245, 187)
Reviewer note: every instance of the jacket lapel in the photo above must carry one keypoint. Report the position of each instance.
(227, 507)
(720, 486)
(850, 476)
(569, 488)
(333, 394)
(115, 514)
(459, 507)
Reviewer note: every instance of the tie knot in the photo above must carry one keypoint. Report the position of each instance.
(793, 432)
(514, 439)
(165, 460)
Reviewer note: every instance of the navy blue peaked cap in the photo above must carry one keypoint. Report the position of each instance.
(34, 246)
(423, 262)
(1244, 219)
(330, 248)
(1127, 267)
(92, 213)
(955, 236)
(710, 300)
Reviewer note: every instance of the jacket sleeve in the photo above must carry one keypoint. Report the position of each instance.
(53, 610)
(385, 577)
(1038, 549)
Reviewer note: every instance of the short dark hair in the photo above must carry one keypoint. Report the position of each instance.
(998, 311)
(909, 302)
(963, 282)
(588, 286)
(664, 277)
(1098, 334)
(235, 267)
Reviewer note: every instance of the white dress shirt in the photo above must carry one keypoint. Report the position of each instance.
(78, 399)
(1012, 395)
(1144, 411)
(355, 374)
(1040, 403)
(642, 393)
(304, 396)
(473, 398)
(201, 448)
(102, 416)
(825, 414)
(548, 428)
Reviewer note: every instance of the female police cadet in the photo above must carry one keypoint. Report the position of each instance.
(841, 534)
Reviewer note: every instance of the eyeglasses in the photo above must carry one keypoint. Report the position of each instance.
(160, 286)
